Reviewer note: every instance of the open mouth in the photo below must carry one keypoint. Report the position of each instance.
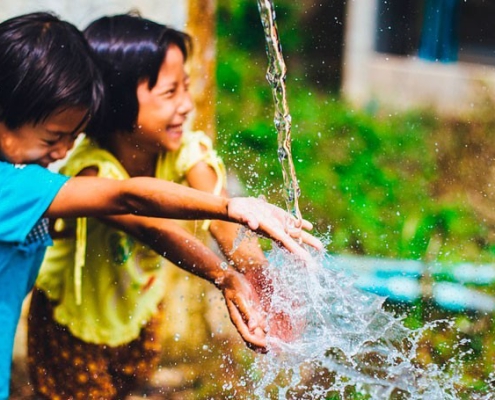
(175, 131)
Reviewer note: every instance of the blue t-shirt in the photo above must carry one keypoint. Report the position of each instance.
(26, 191)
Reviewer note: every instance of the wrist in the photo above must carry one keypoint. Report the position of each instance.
(223, 274)
(245, 263)
(227, 208)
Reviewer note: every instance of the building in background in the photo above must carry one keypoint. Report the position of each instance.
(81, 12)
(419, 53)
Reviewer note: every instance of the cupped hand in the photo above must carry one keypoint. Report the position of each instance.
(282, 325)
(244, 309)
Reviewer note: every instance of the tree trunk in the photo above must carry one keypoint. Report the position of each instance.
(201, 25)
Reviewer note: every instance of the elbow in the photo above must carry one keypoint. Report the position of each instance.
(128, 200)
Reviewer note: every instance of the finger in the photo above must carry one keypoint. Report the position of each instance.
(298, 224)
(255, 339)
(296, 228)
(307, 225)
(312, 241)
(284, 239)
(249, 314)
(299, 232)
(252, 221)
(262, 324)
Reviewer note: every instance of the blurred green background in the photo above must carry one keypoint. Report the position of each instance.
(374, 182)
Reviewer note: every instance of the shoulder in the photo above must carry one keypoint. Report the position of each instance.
(14, 176)
(194, 137)
(89, 154)
(26, 191)
(196, 146)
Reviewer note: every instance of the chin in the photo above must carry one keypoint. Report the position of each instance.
(27, 162)
(172, 145)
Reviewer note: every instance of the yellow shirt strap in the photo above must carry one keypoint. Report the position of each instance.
(216, 191)
(80, 256)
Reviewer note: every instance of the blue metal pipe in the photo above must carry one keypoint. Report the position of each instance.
(401, 281)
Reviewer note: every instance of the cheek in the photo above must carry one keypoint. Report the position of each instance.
(20, 151)
(157, 120)
(34, 153)
(164, 111)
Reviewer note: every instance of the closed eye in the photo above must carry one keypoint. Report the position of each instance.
(50, 142)
(169, 91)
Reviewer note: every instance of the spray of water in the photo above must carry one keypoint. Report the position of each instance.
(342, 337)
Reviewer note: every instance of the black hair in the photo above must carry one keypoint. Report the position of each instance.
(46, 66)
(129, 49)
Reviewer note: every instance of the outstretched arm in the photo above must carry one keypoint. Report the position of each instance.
(172, 241)
(92, 196)
(242, 250)
(167, 238)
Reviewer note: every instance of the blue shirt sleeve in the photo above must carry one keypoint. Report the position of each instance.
(26, 191)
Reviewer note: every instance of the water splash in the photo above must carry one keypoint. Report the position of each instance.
(276, 75)
(343, 338)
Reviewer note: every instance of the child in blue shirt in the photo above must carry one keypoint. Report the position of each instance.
(49, 90)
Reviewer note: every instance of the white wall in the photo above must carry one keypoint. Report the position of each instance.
(360, 29)
(405, 82)
(81, 12)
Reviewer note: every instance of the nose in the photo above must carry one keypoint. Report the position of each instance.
(59, 153)
(186, 105)
(60, 150)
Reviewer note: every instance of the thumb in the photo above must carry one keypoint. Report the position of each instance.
(252, 221)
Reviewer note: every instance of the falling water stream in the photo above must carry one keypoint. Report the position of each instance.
(276, 75)
(340, 336)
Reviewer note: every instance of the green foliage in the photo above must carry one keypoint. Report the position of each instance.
(369, 179)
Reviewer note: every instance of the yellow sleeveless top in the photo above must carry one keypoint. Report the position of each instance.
(107, 285)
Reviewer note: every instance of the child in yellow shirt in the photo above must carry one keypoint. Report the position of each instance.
(100, 290)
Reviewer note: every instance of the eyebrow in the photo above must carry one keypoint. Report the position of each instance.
(84, 119)
(74, 132)
(173, 83)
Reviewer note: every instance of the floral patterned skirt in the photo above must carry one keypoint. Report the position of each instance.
(62, 366)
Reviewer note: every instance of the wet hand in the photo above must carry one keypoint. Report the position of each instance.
(273, 222)
(244, 309)
(282, 325)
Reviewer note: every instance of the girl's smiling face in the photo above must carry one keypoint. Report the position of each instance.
(163, 109)
(44, 142)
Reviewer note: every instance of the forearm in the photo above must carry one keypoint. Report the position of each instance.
(97, 197)
(240, 246)
(187, 252)
(172, 241)
(157, 197)
(90, 196)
